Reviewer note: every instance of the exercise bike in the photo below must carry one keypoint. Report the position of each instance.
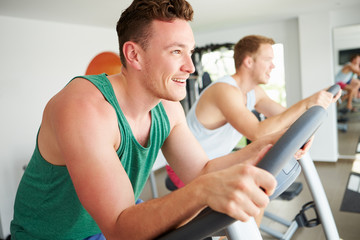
(210, 222)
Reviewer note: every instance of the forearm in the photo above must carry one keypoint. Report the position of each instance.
(277, 116)
(280, 121)
(287, 117)
(152, 218)
(247, 154)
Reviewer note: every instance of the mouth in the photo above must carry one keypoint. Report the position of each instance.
(179, 80)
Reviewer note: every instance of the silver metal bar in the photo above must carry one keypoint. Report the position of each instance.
(243, 231)
(153, 186)
(318, 193)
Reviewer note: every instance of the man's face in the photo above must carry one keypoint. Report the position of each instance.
(167, 59)
(357, 60)
(263, 64)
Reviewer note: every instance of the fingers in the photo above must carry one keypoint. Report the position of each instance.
(337, 96)
(242, 208)
(266, 182)
(257, 188)
(256, 195)
(304, 149)
(299, 154)
(237, 191)
(324, 99)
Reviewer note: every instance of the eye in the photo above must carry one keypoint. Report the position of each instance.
(176, 52)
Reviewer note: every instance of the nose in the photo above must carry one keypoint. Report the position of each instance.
(188, 65)
(272, 65)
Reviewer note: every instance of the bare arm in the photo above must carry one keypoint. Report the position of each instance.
(228, 106)
(183, 161)
(232, 174)
(86, 138)
(286, 116)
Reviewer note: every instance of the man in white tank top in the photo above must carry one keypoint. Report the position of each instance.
(223, 112)
(347, 80)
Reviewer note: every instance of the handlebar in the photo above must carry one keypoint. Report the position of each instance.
(208, 221)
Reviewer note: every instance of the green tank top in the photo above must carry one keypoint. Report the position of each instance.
(46, 204)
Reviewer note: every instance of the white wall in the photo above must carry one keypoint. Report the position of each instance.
(317, 73)
(309, 60)
(36, 60)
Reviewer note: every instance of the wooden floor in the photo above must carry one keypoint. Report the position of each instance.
(334, 178)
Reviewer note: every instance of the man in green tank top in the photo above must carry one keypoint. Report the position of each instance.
(100, 136)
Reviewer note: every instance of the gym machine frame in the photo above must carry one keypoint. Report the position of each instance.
(209, 222)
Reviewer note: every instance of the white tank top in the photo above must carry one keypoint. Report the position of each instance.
(220, 141)
(343, 77)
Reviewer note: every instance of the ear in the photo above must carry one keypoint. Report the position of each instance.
(131, 52)
(248, 61)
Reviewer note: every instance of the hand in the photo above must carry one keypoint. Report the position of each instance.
(322, 98)
(304, 149)
(337, 96)
(240, 191)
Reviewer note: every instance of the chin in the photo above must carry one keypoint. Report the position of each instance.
(266, 81)
(176, 97)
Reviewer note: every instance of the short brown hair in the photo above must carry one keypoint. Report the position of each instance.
(354, 56)
(248, 46)
(134, 23)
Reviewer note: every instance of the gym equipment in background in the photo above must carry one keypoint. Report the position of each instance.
(209, 222)
(105, 62)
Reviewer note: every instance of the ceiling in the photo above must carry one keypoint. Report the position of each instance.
(209, 14)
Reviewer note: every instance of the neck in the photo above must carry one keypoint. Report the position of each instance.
(134, 102)
(244, 81)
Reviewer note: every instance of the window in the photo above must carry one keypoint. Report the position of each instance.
(276, 86)
(219, 63)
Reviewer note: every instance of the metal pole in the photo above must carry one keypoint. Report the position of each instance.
(243, 231)
(153, 186)
(319, 196)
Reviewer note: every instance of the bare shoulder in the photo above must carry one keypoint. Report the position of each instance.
(77, 114)
(80, 99)
(220, 92)
(224, 92)
(221, 87)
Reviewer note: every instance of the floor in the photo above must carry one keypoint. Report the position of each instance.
(334, 178)
(348, 140)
